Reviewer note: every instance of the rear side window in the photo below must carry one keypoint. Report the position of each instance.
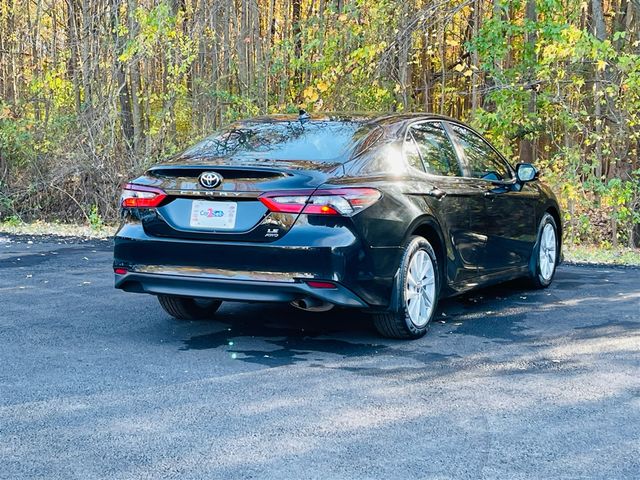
(482, 160)
(430, 145)
(284, 140)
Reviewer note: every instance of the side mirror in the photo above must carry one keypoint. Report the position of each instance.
(526, 172)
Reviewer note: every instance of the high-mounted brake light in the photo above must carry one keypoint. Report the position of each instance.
(315, 284)
(337, 201)
(140, 196)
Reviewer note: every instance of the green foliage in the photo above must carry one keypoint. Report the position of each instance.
(95, 220)
(12, 221)
(574, 76)
(17, 141)
(339, 57)
(238, 106)
(130, 83)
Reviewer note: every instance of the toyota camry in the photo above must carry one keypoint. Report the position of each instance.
(386, 214)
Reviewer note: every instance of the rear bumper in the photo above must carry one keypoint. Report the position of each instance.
(275, 271)
(234, 290)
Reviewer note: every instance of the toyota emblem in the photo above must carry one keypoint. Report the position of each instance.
(210, 179)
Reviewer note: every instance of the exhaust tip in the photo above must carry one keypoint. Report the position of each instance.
(309, 304)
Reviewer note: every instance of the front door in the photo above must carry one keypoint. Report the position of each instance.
(509, 207)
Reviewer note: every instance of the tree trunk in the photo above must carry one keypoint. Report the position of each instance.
(404, 75)
(527, 146)
(242, 47)
(72, 36)
(600, 32)
(124, 97)
(475, 57)
(296, 6)
(85, 55)
(271, 30)
(136, 84)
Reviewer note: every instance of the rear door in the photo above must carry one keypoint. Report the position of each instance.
(456, 201)
(509, 207)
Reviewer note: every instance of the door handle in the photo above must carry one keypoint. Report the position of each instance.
(437, 193)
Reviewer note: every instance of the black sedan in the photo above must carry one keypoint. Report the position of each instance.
(382, 213)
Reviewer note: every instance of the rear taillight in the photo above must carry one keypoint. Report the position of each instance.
(140, 196)
(285, 202)
(338, 201)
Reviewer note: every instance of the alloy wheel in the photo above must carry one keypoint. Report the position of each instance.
(420, 289)
(547, 252)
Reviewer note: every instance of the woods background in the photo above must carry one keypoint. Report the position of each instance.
(92, 91)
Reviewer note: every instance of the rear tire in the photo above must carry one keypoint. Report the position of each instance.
(545, 254)
(185, 308)
(416, 293)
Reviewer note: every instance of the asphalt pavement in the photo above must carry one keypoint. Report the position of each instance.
(509, 383)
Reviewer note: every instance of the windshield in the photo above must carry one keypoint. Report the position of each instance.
(283, 140)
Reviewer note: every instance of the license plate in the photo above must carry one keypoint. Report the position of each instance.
(213, 215)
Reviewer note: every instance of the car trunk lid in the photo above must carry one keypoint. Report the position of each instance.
(230, 211)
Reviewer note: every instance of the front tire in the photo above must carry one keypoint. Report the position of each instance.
(417, 293)
(185, 308)
(545, 253)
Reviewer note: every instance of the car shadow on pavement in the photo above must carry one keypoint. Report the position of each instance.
(275, 335)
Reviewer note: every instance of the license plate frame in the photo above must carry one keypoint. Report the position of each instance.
(213, 215)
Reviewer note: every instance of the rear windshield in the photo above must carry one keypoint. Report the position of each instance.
(284, 140)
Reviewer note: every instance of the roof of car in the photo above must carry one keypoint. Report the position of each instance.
(362, 117)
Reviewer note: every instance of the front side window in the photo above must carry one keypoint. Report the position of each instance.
(482, 160)
(430, 143)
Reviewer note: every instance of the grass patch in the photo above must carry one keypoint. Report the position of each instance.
(609, 256)
(58, 229)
